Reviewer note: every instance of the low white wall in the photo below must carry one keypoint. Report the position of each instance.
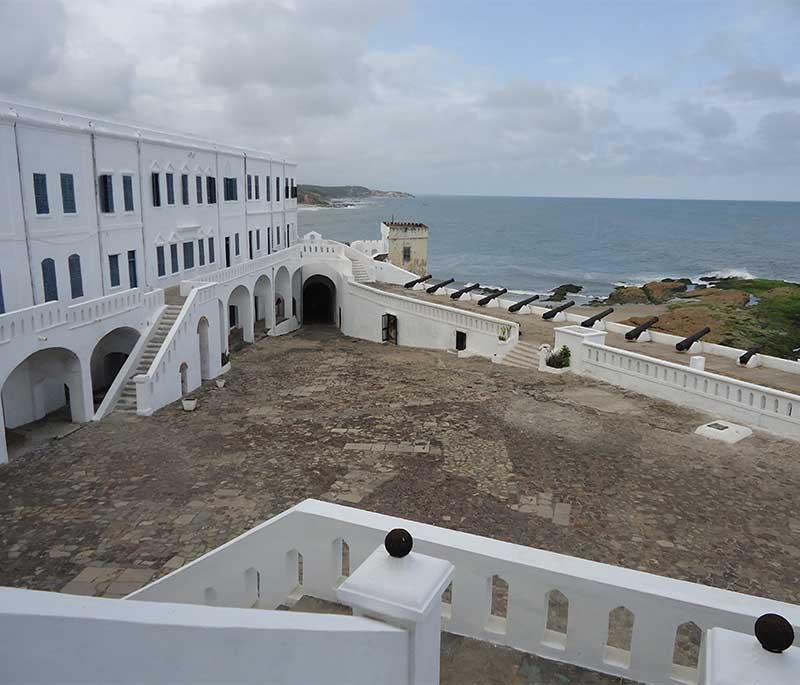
(424, 324)
(52, 638)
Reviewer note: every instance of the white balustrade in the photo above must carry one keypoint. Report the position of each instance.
(558, 606)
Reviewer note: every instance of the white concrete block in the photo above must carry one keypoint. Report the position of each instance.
(725, 431)
(697, 362)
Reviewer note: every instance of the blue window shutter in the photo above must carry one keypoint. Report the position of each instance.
(211, 257)
(49, 280)
(68, 194)
(201, 252)
(127, 192)
(40, 194)
(162, 262)
(75, 276)
(113, 269)
(133, 276)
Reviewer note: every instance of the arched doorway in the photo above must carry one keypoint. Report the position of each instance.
(283, 295)
(202, 341)
(108, 357)
(262, 295)
(319, 300)
(44, 390)
(184, 371)
(240, 317)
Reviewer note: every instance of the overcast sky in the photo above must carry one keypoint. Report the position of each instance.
(621, 99)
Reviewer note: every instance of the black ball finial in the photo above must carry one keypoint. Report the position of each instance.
(774, 633)
(398, 542)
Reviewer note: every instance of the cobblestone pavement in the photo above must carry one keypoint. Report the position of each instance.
(559, 463)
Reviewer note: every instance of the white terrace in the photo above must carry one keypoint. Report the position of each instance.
(198, 624)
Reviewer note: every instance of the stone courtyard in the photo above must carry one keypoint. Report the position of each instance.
(559, 463)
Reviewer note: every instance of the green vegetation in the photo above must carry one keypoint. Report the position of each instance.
(327, 195)
(560, 359)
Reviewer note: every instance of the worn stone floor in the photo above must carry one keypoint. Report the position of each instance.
(559, 463)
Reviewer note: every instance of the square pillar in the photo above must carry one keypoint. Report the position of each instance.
(730, 658)
(573, 337)
(406, 592)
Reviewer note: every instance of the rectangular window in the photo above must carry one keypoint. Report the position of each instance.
(188, 255)
(211, 190)
(170, 188)
(257, 184)
(185, 188)
(133, 277)
(201, 252)
(258, 241)
(40, 193)
(113, 269)
(211, 257)
(286, 188)
(162, 262)
(236, 244)
(250, 244)
(269, 189)
(227, 251)
(173, 255)
(269, 237)
(68, 194)
(288, 231)
(230, 189)
(155, 185)
(406, 254)
(249, 187)
(105, 190)
(127, 193)
(277, 235)
(198, 181)
(277, 189)
(75, 276)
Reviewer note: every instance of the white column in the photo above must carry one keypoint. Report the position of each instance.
(404, 592)
(80, 393)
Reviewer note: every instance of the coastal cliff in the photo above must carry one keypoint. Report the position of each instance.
(332, 196)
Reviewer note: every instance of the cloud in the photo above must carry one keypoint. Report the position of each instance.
(781, 129)
(709, 121)
(761, 83)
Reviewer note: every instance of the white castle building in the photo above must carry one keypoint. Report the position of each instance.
(128, 257)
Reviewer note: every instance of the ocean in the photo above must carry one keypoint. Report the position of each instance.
(532, 245)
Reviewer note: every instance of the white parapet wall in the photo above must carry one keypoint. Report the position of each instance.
(720, 396)
(46, 637)
(260, 568)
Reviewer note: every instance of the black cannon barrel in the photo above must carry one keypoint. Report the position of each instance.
(550, 313)
(592, 320)
(421, 279)
(641, 328)
(519, 305)
(486, 300)
(464, 291)
(686, 343)
(747, 356)
(436, 286)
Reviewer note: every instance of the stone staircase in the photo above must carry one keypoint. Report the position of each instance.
(360, 271)
(523, 355)
(127, 401)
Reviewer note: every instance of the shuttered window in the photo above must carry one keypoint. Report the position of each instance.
(230, 189)
(286, 188)
(170, 188)
(188, 255)
(40, 193)
(249, 187)
(185, 189)
(277, 189)
(211, 188)
(113, 269)
(127, 193)
(269, 189)
(257, 184)
(105, 189)
(211, 257)
(173, 255)
(236, 244)
(133, 276)
(49, 280)
(201, 252)
(198, 181)
(75, 276)
(155, 185)
(162, 262)
(68, 194)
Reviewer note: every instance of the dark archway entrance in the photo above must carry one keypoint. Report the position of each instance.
(319, 300)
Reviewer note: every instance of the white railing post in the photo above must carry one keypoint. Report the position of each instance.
(403, 590)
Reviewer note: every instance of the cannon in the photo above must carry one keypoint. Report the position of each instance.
(436, 286)
(686, 343)
(550, 313)
(592, 320)
(464, 291)
(421, 279)
(486, 300)
(747, 356)
(641, 328)
(519, 305)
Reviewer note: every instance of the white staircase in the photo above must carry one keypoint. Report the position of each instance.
(360, 271)
(523, 355)
(127, 400)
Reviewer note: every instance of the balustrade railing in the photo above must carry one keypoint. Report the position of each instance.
(605, 618)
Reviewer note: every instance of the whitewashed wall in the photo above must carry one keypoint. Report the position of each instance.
(53, 638)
